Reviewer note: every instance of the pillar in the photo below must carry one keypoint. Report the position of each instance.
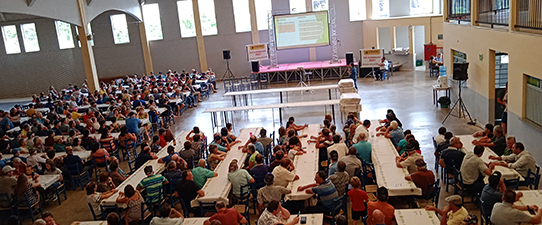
(253, 22)
(86, 49)
(199, 37)
(369, 9)
(474, 8)
(513, 18)
(312, 50)
(392, 36)
(411, 45)
(146, 49)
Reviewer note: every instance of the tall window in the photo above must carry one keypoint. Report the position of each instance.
(421, 7)
(11, 40)
(153, 26)
(206, 15)
(381, 8)
(90, 32)
(120, 29)
(186, 18)
(298, 6)
(241, 15)
(357, 10)
(64, 35)
(263, 7)
(30, 37)
(533, 100)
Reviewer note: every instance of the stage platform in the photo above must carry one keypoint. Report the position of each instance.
(322, 70)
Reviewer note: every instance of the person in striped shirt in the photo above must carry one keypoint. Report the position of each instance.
(327, 194)
(153, 184)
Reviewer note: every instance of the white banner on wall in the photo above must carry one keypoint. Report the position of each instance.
(257, 52)
(371, 57)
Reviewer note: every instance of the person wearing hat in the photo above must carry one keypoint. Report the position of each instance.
(238, 177)
(423, 177)
(506, 212)
(7, 180)
(410, 161)
(492, 193)
(270, 192)
(382, 205)
(454, 213)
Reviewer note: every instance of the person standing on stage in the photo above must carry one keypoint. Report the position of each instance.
(353, 74)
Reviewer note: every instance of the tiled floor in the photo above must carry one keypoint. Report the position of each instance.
(409, 94)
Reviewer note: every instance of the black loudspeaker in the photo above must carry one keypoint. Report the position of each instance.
(226, 54)
(255, 66)
(460, 71)
(349, 58)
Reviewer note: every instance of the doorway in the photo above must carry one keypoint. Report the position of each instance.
(501, 79)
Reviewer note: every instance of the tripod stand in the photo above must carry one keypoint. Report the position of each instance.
(461, 110)
(228, 71)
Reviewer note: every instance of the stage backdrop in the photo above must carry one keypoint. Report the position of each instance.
(302, 30)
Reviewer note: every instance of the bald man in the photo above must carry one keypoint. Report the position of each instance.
(378, 217)
(282, 175)
(201, 174)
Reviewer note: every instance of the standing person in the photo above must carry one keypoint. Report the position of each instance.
(358, 198)
(353, 72)
(383, 66)
(504, 102)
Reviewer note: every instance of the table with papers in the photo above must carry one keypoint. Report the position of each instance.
(47, 180)
(306, 165)
(416, 217)
(218, 188)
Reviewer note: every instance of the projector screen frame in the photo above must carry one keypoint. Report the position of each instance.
(301, 46)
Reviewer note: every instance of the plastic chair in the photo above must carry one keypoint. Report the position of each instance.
(263, 80)
(29, 207)
(110, 146)
(254, 81)
(436, 194)
(76, 176)
(61, 189)
(205, 207)
(368, 169)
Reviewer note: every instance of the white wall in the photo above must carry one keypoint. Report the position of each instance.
(384, 38)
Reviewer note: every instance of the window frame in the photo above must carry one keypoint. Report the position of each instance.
(64, 45)
(158, 22)
(26, 40)
(116, 29)
(11, 41)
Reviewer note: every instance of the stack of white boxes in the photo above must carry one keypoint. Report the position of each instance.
(350, 99)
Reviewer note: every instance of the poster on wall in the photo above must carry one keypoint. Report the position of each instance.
(257, 52)
(371, 57)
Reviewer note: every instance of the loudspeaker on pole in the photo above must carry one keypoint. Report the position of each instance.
(255, 66)
(349, 57)
(460, 71)
(226, 54)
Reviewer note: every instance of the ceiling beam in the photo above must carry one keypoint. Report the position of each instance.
(30, 3)
(89, 2)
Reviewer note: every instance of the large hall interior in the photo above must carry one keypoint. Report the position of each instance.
(269, 112)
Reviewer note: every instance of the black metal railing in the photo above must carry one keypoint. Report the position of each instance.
(459, 10)
(529, 14)
(493, 12)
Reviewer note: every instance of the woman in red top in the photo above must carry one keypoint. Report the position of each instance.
(358, 197)
(161, 134)
(98, 153)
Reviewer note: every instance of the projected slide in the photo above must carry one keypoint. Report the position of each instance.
(302, 30)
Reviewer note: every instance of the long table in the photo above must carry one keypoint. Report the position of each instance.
(218, 188)
(227, 112)
(82, 154)
(306, 165)
(530, 197)
(233, 94)
(387, 173)
(416, 217)
(47, 180)
(139, 174)
(506, 172)
(312, 219)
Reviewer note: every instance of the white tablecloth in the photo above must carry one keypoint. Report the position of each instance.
(416, 217)
(312, 219)
(387, 173)
(306, 165)
(218, 188)
(195, 220)
(139, 174)
(530, 197)
(47, 180)
(100, 222)
(84, 155)
(123, 122)
(506, 172)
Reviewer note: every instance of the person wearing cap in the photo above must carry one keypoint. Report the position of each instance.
(282, 175)
(238, 178)
(226, 216)
(410, 161)
(201, 174)
(382, 205)
(492, 193)
(270, 192)
(188, 190)
(506, 213)
(152, 184)
(453, 156)
(423, 177)
(454, 213)
(7, 180)
(473, 170)
(520, 160)
(72, 159)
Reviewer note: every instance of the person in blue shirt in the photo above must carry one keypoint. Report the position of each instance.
(258, 145)
(171, 152)
(353, 71)
(132, 123)
(3, 162)
(217, 141)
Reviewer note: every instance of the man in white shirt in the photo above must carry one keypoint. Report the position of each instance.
(362, 129)
(282, 175)
(341, 148)
(34, 160)
(520, 160)
(275, 214)
(440, 137)
(384, 66)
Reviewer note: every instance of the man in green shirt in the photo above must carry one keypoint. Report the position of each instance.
(238, 178)
(251, 149)
(201, 173)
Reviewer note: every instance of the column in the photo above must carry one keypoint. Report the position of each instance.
(86, 49)
(369, 9)
(145, 47)
(253, 22)
(199, 37)
(513, 18)
(474, 12)
(411, 45)
(312, 50)
(392, 38)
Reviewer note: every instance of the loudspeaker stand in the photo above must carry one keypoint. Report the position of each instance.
(228, 72)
